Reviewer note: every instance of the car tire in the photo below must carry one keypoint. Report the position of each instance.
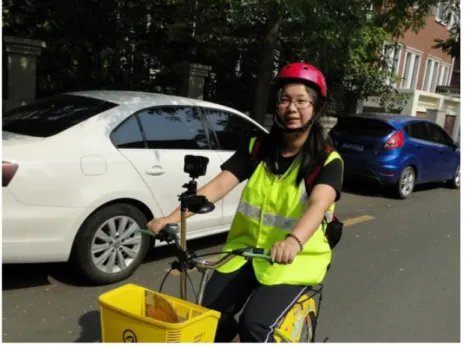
(108, 248)
(405, 185)
(456, 180)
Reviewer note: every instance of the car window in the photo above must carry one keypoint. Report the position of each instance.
(128, 134)
(418, 131)
(48, 117)
(437, 135)
(359, 126)
(231, 129)
(173, 128)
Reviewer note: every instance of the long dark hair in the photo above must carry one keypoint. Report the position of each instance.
(312, 154)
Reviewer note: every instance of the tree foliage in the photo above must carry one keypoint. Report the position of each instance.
(116, 44)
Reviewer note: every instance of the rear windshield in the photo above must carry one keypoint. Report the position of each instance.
(363, 127)
(53, 115)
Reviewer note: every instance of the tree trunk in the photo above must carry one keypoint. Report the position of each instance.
(350, 103)
(264, 77)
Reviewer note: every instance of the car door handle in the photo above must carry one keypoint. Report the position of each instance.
(156, 170)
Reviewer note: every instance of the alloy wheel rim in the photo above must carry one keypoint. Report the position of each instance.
(407, 182)
(458, 177)
(116, 244)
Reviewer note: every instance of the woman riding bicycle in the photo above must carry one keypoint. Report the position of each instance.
(275, 211)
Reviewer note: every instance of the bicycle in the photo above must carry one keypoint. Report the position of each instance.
(298, 325)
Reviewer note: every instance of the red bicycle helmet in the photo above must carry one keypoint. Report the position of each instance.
(307, 73)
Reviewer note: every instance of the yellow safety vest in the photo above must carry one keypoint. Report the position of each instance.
(269, 208)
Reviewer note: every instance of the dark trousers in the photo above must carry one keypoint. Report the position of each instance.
(228, 293)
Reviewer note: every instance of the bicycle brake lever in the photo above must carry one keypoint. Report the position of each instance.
(169, 232)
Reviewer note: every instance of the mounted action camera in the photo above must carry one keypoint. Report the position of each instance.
(195, 165)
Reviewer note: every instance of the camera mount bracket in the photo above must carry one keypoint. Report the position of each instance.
(190, 201)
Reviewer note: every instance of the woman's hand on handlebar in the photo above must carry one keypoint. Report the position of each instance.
(285, 251)
(157, 224)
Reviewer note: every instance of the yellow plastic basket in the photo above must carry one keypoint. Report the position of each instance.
(123, 320)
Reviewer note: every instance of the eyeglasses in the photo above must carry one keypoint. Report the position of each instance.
(300, 104)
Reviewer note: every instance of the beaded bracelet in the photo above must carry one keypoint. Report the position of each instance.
(294, 237)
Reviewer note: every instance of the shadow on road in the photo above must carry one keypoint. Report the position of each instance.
(362, 188)
(373, 189)
(90, 327)
(17, 276)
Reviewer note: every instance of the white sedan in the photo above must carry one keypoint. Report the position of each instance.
(83, 171)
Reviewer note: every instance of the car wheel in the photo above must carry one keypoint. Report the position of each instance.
(455, 181)
(406, 182)
(108, 248)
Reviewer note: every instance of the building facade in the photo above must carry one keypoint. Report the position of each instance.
(428, 77)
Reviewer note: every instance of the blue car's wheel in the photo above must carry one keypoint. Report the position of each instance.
(406, 182)
(456, 180)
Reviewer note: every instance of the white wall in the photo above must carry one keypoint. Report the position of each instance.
(421, 101)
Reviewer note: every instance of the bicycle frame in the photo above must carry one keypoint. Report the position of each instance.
(290, 327)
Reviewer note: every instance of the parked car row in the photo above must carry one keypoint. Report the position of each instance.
(83, 171)
(396, 151)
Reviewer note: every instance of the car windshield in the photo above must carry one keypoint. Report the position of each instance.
(358, 126)
(53, 115)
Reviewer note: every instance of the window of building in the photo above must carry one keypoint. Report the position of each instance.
(427, 74)
(442, 13)
(444, 76)
(446, 14)
(436, 74)
(392, 52)
(410, 70)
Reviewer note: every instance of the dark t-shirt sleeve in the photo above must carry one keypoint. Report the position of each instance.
(239, 164)
(332, 175)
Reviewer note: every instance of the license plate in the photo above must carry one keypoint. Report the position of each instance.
(353, 146)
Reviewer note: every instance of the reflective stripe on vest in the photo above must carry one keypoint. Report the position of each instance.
(269, 208)
(269, 219)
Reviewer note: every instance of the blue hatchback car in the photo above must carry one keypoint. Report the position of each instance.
(397, 151)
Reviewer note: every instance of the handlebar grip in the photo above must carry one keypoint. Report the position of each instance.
(262, 251)
(254, 253)
(147, 232)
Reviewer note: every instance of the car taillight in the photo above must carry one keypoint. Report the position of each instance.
(8, 172)
(395, 141)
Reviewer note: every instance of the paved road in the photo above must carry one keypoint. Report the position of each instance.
(395, 278)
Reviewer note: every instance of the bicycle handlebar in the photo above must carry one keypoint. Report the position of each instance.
(168, 234)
